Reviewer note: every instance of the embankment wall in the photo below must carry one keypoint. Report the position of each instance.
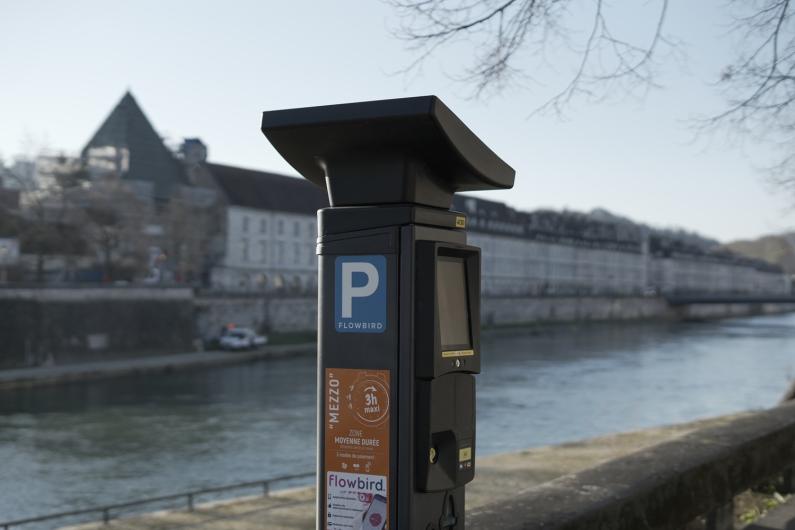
(262, 314)
(59, 326)
(517, 311)
(62, 325)
(297, 314)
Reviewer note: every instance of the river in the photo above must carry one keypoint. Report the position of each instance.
(100, 442)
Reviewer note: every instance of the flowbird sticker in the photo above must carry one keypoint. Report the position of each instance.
(360, 294)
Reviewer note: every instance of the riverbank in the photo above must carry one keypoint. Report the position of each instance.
(500, 312)
(497, 477)
(71, 373)
(300, 343)
(70, 325)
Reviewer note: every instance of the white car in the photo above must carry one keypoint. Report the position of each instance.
(241, 339)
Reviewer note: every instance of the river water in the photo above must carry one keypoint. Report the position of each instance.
(102, 442)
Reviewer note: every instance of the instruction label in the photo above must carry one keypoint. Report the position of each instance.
(357, 449)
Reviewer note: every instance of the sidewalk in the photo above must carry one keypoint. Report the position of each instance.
(779, 518)
(49, 375)
(498, 477)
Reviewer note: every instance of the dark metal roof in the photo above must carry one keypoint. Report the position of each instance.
(268, 191)
(406, 150)
(150, 160)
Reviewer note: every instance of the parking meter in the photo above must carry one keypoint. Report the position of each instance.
(399, 306)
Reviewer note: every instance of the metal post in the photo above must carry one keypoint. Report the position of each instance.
(721, 518)
(106, 515)
(190, 502)
(787, 486)
(266, 488)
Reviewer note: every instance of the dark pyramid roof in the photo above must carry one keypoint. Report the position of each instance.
(150, 160)
(268, 191)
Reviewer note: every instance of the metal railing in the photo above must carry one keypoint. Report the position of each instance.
(110, 511)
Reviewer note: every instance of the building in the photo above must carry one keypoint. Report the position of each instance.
(9, 256)
(242, 230)
(270, 241)
(258, 232)
(570, 253)
(270, 232)
(178, 208)
(127, 145)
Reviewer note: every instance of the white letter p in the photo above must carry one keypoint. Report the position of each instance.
(349, 292)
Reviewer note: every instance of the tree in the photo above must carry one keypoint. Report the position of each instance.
(111, 221)
(508, 37)
(45, 183)
(189, 231)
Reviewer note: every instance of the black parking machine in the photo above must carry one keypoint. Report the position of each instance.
(399, 306)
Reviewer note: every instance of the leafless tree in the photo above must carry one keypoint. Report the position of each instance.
(43, 227)
(508, 38)
(189, 230)
(760, 84)
(113, 225)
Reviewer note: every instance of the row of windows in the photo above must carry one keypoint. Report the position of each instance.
(514, 266)
(308, 227)
(302, 254)
(295, 282)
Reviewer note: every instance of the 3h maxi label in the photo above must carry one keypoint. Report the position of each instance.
(360, 294)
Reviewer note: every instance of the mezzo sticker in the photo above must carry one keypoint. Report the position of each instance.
(360, 294)
(356, 449)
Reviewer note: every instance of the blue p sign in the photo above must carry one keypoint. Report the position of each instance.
(360, 294)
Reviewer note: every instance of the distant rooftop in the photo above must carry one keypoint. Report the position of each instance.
(150, 160)
(261, 190)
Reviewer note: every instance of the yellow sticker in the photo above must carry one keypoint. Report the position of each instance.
(460, 221)
(458, 353)
(465, 454)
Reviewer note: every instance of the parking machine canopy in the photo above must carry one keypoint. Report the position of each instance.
(409, 150)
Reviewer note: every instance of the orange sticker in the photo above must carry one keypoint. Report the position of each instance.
(357, 449)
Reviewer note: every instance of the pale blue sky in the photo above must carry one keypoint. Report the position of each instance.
(208, 69)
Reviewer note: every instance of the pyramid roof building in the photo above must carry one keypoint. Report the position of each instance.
(128, 128)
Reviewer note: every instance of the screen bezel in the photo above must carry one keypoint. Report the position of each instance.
(468, 305)
(430, 359)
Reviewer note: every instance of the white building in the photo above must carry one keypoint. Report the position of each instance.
(261, 235)
(271, 231)
(271, 237)
(552, 253)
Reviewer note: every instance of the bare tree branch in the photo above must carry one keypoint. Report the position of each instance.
(504, 33)
(508, 38)
(760, 84)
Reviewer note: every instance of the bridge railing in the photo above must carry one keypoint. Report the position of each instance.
(662, 487)
(112, 511)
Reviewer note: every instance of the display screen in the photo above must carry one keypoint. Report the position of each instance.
(451, 295)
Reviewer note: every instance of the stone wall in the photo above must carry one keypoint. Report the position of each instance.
(519, 310)
(296, 314)
(524, 310)
(263, 314)
(51, 325)
(59, 326)
(706, 311)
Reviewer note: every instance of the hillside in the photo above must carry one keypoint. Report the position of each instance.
(778, 249)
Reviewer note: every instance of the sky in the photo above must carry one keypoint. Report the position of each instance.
(208, 69)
